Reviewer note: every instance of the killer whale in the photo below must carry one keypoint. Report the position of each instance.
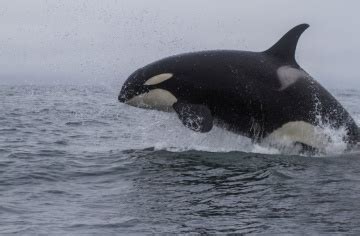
(262, 95)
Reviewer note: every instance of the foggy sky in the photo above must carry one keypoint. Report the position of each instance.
(102, 42)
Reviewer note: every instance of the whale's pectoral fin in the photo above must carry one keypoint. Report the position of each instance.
(194, 116)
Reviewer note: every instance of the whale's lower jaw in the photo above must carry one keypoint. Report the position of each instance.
(157, 99)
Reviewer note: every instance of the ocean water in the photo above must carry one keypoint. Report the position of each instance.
(75, 161)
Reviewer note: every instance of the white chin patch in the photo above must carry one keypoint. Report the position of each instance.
(299, 131)
(289, 75)
(157, 79)
(158, 99)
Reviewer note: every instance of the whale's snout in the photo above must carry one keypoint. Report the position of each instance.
(123, 95)
(121, 98)
(131, 90)
(132, 87)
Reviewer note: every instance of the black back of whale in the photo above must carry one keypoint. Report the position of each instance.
(242, 89)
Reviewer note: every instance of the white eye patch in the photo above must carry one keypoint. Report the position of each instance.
(157, 79)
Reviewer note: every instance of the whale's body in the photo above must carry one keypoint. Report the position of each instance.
(262, 95)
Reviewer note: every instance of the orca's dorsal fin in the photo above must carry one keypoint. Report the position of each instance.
(285, 48)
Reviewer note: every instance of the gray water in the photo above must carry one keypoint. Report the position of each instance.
(75, 161)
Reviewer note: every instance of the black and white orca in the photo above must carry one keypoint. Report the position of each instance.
(262, 95)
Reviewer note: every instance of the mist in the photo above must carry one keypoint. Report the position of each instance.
(102, 42)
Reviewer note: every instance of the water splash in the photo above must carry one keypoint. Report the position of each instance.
(164, 131)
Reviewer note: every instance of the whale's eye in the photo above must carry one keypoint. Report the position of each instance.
(157, 79)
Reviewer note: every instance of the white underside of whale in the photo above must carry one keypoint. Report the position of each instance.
(299, 132)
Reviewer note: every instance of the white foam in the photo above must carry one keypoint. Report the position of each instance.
(164, 131)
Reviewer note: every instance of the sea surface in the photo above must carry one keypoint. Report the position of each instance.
(75, 161)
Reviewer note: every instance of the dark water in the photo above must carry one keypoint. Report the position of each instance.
(74, 161)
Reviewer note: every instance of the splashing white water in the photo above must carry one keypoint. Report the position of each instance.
(164, 131)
